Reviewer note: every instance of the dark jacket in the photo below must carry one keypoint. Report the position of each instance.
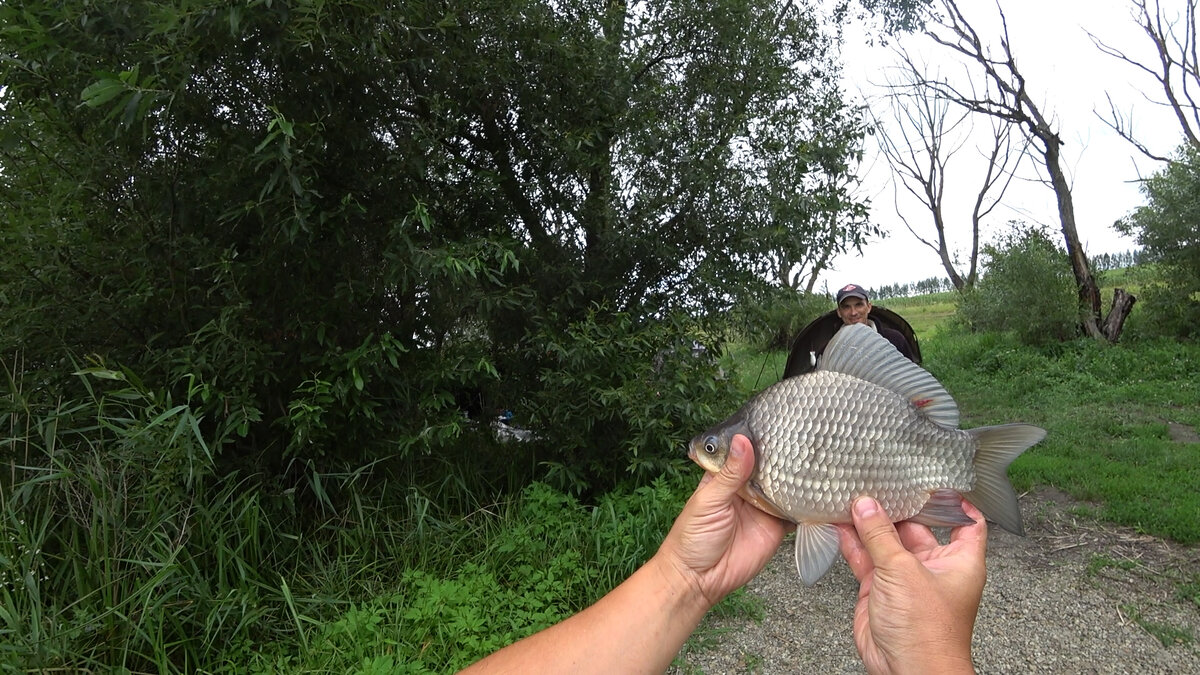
(893, 336)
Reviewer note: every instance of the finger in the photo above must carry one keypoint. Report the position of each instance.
(974, 535)
(876, 531)
(916, 537)
(854, 552)
(739, 464)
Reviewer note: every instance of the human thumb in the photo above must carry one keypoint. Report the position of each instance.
(739, 464)
(877, 532)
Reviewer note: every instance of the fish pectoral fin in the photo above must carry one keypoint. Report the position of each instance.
(753, 493)
(816, 550)
(944, 509)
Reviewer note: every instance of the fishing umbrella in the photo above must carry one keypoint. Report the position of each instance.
(812, 338)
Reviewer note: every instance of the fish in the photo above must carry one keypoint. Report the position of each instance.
(866, 422)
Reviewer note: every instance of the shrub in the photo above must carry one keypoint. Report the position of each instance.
(1027, 288)
(618, 397)
(1168, 229)
(774, 319)
(1163, 311)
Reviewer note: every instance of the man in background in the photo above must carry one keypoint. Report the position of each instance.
(854, 306)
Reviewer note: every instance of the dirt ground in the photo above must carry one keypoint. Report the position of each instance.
(1072, 596)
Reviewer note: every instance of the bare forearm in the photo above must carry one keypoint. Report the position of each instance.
(638, 627)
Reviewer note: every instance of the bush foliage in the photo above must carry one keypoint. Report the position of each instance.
(260, 260)
(772, 319)
(1168, 229)
(117, 550)
(365, 251)
(1027, 288)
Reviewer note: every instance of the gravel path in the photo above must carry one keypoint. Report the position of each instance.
(1073, 596)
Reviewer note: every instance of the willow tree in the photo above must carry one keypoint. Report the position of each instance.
(341, 224)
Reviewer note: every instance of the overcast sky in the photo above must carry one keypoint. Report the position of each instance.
(1069, 77)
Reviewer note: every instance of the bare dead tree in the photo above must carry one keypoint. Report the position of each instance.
(1177, 71)
(919, 142)
(1007, 98)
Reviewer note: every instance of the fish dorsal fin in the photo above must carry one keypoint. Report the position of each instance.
(859, 351)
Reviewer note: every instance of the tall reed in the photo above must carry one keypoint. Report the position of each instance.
(119, 547)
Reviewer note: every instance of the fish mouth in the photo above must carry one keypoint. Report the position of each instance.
(691, 452)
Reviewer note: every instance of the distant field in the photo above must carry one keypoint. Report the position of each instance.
(925, 313)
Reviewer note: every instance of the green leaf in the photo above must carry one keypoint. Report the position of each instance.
(102, 373)
(132, 109)
(266, 141)
(102, 91)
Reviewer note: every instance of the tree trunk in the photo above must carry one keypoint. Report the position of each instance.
(1013, 103)
(1089, 292)
(1121, 306)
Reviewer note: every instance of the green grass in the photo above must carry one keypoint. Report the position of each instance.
(1106, 409)
(754, 369)
(1132, 279)
(1167, 634)
(1100, 562)
(1189, 590)
(927, 314)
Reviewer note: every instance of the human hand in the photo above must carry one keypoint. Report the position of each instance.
(719, 542)
(917, 599)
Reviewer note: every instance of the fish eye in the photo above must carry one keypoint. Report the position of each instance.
(710, 444)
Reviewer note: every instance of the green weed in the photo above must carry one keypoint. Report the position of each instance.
(752, 663)
(1100, 562)
(1168, 635)
(1189, 590)
(741, 604)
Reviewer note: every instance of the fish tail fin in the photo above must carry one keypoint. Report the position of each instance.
(998, 446)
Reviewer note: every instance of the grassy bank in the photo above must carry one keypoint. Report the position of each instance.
(1108, 412)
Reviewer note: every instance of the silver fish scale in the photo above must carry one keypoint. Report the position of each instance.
(825, 438)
